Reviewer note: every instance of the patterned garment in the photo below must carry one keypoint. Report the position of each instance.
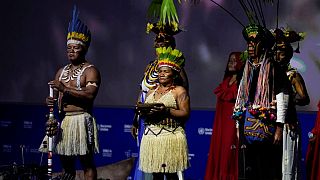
(78, 135)
(258, 129)
(163, 148)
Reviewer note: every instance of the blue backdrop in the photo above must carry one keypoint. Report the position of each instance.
(22, 129)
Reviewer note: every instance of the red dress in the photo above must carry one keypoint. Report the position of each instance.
(222, 161)
(313, 152)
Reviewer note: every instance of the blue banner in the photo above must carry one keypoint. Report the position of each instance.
(22, 128)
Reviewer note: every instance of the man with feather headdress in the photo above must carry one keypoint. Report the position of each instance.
(77, 84)
(262, 99)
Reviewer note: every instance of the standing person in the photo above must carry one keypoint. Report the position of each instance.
(291, 169)
(78, 84)
(164, 18)
(313, 151)
(164, 149)
(164, 38)
(222, 161)
(261, 106)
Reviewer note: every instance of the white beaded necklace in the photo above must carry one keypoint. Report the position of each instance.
(74, 73)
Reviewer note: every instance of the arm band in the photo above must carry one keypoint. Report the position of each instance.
(282, 107)
(92, 84)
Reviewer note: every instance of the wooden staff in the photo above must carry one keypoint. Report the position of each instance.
(51, 130)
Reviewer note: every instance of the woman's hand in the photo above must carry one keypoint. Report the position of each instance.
(158, 109)
(151, 109)
(134, 132)
(278, 135)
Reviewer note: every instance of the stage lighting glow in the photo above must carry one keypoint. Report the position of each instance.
(299, 64)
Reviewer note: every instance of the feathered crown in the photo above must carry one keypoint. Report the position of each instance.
(287, 36)
(78, 32)
(253, 9)
(164, 33)
(163, 20)
(164, 12)
(172, 58)
(257, 25)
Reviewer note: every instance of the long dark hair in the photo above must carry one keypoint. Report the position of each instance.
(239, 67)
(177, 79)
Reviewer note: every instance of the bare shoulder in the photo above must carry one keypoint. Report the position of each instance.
(91, 73)
(90, 68)
(298, 75)
(180, 90)
(297, 78)
(59, 73)
(181, 94)
(60, 70)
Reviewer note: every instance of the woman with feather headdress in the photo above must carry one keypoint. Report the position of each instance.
(163, 22)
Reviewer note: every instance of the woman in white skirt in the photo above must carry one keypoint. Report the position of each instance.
(164, 149)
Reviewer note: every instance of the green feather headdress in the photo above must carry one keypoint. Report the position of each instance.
(163, 17)
(254, 10)
(164, 11)
(172, 58)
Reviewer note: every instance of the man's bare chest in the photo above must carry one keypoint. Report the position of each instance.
(73, 77)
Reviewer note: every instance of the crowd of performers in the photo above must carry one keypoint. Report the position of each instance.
(256, 132)
(259, 135)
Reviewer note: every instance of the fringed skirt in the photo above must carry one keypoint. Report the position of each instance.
(78, 135)
(163, 149)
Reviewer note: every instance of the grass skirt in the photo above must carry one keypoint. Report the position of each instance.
(163, 149)
(78, 134)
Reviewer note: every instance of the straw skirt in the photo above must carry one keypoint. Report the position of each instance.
(78, 134)
(163, 149)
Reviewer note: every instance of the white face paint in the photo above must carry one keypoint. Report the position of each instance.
(74, 51)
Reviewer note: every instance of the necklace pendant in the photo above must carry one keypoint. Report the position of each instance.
(67, 80)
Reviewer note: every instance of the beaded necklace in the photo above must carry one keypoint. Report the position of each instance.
(70, 74)
(160, 94)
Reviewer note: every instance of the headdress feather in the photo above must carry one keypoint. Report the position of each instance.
(172, 58)
(78, 32)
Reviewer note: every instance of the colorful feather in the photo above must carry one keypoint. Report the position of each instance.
(78, 31)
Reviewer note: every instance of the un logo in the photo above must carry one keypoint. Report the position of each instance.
(201, 131)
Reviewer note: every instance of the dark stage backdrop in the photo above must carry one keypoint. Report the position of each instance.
(33, 43)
